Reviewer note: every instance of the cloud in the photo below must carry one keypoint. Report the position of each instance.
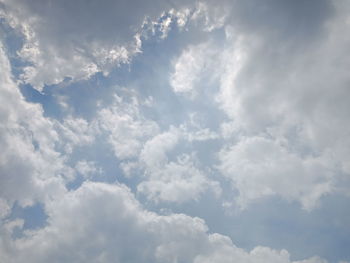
(231, 100)
(259, 167)
(31, 168)
(272, 84)
(178, 180)
(196, 70)
(87, 168)
(76, 132)
(189, 67)
(154, 151)
(107, 224)
(223, 251)
(289, 97)
(77, 39)
(126, 127)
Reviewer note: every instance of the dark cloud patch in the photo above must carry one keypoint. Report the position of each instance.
(282, 20)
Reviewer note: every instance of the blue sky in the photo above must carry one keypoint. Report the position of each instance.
(174, 131)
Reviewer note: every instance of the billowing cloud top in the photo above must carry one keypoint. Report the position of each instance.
(174, 131)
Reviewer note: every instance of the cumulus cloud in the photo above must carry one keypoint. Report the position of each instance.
(234, 100)
(107, 224)
(30, 166)
(288, 97)
(190, 67)
(272, 84)
(176, 180)
(261, 167)
(154, 152)
(126, 127)
(87, 168)
(76, 132)
(196, 70)
(143, 149)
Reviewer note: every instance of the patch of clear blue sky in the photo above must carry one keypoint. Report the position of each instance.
(34, 217)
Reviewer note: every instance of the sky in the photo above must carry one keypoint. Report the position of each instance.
(175, 131)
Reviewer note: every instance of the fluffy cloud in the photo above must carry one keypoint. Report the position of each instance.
(154, 151)
(273, 85)
(193, 63)
(223, 251)
(177, 180)
(143, 149)
(107, 224)
(76, 132)
(289, 98)
(30, 167)
(87, 168)
(257, 92)
(126, 127)
(261, 167)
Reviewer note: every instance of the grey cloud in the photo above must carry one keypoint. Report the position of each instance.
(77, 39)
(278, 87)
(282, 21)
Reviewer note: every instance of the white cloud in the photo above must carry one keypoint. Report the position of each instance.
(179, 180)
(223, 251)
(295, 90)
(126, 127)
(209, 15)
(87, 168)
(202, 135)
(107, 224)
(196, 130)
(30, 167)
(76, 132)
(299, 96)
(292, 89)
(259, 167)
(154, 152)
(280, 88)
(190, 67)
